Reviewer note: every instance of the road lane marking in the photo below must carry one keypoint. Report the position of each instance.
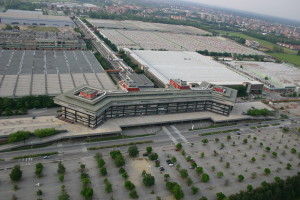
(179, 134)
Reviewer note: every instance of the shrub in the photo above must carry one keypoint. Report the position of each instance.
(133, 194)
(61, 168)
(220, 174)
(18, 136)
(61, 177)
(129, 185)
(149, 149)
(45, 132)
(175, 189)
(153, 156)
(148, 179)
(267, 171)
(184, 173)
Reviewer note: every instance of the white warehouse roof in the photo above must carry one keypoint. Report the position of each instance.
(187, 66)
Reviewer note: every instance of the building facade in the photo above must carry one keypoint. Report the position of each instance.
(113, 104)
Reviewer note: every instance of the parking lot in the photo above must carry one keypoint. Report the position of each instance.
(238, 151)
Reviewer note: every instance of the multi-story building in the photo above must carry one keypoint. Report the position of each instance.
(79, 107)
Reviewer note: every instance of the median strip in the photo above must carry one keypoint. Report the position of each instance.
(35, 155)
(217, 132)
(120, 145)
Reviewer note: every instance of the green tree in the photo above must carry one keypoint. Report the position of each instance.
(293, 151)
(133, 151)
(16, 173)
(129, 185)
(184, 173)
(179, 146)
(253, 159)
(274, 154)
(173, 159)
(61, 177)
(87, 192)
(149, 149)
(194, 189)
(204, 141)
(153, 156)
(39, 169)
(249, 188)
(63, 194)
(199, 170)
(221, 196)
(240, 178)
(61, 168)
(148, 179)
(103, 171)
(205, 178)
(267, 171)
(220, 174)
(133, 194)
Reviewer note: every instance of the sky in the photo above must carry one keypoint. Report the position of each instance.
(289, 9)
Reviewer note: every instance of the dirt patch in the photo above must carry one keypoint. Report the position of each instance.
(136, 167)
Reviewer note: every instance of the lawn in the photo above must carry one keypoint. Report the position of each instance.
(291, 58)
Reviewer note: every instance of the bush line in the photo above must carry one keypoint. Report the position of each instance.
(36, 155)
(119, 145)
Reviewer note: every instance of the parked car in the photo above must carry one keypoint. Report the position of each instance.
(47, 157)
(161, 168)
(145, 154)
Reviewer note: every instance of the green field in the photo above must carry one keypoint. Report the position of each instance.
(288, 55)
(263, 43)
(291, 58)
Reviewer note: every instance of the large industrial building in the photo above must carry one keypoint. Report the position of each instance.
(92, 106)
(34, 18)
(36, 72)
(40, 40)
(163, 66)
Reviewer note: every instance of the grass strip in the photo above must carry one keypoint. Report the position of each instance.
(120, 145)
(214, 126)
(217, 132)
(35, 155)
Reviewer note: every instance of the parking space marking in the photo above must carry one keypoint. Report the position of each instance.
(170, 135)
(179, 134)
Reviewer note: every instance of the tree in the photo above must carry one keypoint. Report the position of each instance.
(173, 159)
(267, 171)
(108, 186)
(103, 171)
(133, 194)
(148, 179)
(220, 196)
(8, 27)
(16, 173)
(245, 141)
(133, 151)
(153, 156)
(39, 169)
(39, 192)
(61, 177)
(179, 146)
(87, 192)
(129, 185)
(220, 174)
(184, 173)
(61, 168)
(205, 178)
(253, 159)
(293, 151)
(63, 194)
(228, 137)
(204, 141)
(199, 170)
(274, 154)
(288, 166)
(194, 189)
(268, 149)
(175, 189)
(149, 149)
(203, 198)
(240, 178)
(167, 176)
(227, 165)
(286, 129)
(217, 140)
(249, 188)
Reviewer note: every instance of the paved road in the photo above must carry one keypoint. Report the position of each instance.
(169, 135)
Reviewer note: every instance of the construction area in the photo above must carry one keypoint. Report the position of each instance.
(36, 72)
(276, 76)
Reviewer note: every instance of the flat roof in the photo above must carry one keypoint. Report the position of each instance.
(187, 66)
(98, 105)
(279, 75)
(37, 15)
(39, 72)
